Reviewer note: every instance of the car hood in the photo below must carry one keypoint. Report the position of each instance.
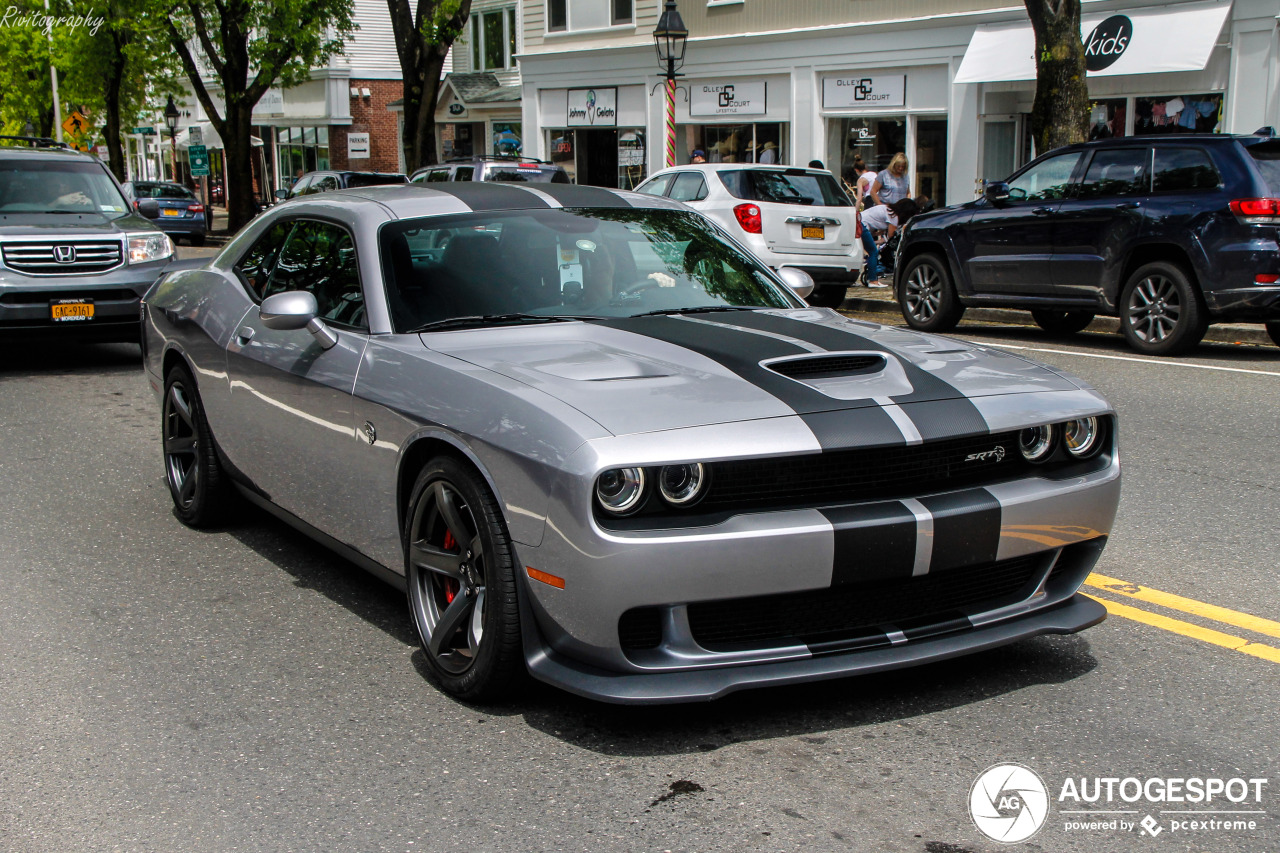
(69, 225)
(645, 374)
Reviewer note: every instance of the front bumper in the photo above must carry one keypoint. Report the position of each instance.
(25, 302)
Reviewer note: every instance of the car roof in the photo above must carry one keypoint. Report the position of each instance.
(412, 200)
(45, 153)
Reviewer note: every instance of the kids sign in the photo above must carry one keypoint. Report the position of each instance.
(593, 107)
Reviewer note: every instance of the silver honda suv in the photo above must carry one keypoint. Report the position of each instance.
(75, 257)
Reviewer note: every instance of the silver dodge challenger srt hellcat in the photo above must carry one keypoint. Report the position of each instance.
(595, 440)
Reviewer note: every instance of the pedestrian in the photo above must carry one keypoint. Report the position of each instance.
(892, 184)
(882, 219)
(699, 156)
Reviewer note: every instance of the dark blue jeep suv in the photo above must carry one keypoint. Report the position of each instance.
(1169, 234)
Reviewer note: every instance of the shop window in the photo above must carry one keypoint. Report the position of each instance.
(506, 138)
(1177, 114)
(493, 40)
(1107, 118)
(561, 144)
(1116, 172)
(734, 143)
(622, 12)
(931, 160)
(557, 15)
(872, 140)
(1183, 169)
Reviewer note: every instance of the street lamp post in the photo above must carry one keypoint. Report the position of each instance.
(171, 119)
(669, 38)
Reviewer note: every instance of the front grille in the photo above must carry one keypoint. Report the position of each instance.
(859, 610)
(42, 257)
(640, 628)
(38, 297)
(847, 476)
(830, 366)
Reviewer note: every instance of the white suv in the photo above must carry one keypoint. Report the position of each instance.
(786, 215)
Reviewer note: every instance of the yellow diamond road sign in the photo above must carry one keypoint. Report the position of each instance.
(75, 124)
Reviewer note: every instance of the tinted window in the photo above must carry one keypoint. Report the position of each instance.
(28, 185)
(256, 266)
(300, 187)
(1183, 169)
(435, 176)
(464, 173)
(147, 190)
(658, 186)
(358, 180)
(689, 186)
(788, 187)
(1046, 180)
(323, 184)
(1121, 171)
(1267, 158)
(321, 259)
(520, 174)
(736, 183)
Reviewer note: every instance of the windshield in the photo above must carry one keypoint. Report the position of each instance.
(58, 186)
(566, 263)
(790, 186)
(144, 190)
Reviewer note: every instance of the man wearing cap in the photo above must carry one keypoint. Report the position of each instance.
(699, 156)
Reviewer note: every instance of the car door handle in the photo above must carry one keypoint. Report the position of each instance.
(244, 335)
(1042, 211)
(1129, 205)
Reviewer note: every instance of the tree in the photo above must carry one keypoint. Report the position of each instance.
(250, 46)
(1060, 112)
(25, 91)
(423, 37)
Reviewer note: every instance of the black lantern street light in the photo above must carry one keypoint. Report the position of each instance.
(669, 38)
(171, 119)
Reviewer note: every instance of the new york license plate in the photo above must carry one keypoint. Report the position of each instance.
(71, 310)
(813, 232)
(169, 211)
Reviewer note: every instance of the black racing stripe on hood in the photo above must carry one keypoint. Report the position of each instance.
(959, 417)
(579, 195)
(479, 195)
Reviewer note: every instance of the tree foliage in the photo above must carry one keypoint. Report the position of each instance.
(233, 51)
(1060, 112)
(424, 32)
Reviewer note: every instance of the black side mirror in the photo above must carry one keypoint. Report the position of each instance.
(996, 192)
(149, 207)
(281, 195)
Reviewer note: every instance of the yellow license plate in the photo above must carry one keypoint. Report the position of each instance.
(71, 310)
(169, 211)
(813, 232)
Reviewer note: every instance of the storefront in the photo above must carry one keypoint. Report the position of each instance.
(477, 115)
(597, 134)
(735, 120)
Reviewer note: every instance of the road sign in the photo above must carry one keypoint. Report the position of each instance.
(199, 156)
(145, 131)
(195, 136)
(75, 124)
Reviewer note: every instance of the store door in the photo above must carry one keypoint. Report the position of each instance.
(598, 157)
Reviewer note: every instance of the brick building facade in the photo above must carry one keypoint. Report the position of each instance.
(370, 114)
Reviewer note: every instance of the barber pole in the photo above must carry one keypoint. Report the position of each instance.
(671, 122)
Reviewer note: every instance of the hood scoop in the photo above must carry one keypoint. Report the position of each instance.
(845, 375)
(828, 366)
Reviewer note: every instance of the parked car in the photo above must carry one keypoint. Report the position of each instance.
(787, 216)
(1168, 233)
(75, 257)
(596, 441)
(323, 182)
(500, 168)
(180, 213)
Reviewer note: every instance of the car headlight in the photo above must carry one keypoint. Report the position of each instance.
(1083, 437)
(620, 490)
(1036, 443)
(144, 248)
(682, 484)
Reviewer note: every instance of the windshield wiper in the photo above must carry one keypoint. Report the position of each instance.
(699, 309)
(473, 320)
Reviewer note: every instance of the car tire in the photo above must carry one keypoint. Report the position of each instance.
(1062, 322)
(926, 295)
(197, 239)
(1160, 310)
(199, 487)
(828, 295)
(1273, 329)
(461, 583)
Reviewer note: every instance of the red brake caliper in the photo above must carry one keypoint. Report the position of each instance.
(450, 584)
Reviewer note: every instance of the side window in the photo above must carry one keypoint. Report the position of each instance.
(300, 187)
(464, 173)
(658, 186)
(321, 259)
(1047, 180)
(260, 261)
(689, 186)
(437, 175)
(1184, 169)
(327, 183)
(1119, 171)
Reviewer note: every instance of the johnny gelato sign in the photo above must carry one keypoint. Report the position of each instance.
(593, 107)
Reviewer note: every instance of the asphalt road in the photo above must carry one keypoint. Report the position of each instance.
(163, 689)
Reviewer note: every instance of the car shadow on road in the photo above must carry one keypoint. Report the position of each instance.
(44, 357)
(1111, 344)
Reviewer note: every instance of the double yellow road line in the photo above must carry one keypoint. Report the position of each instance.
(1210, 612)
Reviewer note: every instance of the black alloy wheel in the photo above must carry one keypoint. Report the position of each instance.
(461, 579)
(1062, 322)
(1160, 311)
(196, 480)
(927, 297)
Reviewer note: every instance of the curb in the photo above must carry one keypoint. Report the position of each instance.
(1223, 333)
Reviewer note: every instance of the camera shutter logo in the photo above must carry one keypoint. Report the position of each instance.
(64, 254)
(1009, 803)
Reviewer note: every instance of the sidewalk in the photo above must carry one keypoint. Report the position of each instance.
(880, 301)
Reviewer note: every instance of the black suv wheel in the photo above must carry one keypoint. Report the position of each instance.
(1160, 311)
(927, 297)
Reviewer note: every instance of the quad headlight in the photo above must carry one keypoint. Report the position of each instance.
(682, 484)
(151, 246)
(1083, 437)
(620, 490)
(1036, 443)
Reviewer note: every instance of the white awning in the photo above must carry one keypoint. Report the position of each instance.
(209, 137)
(1144, 41)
